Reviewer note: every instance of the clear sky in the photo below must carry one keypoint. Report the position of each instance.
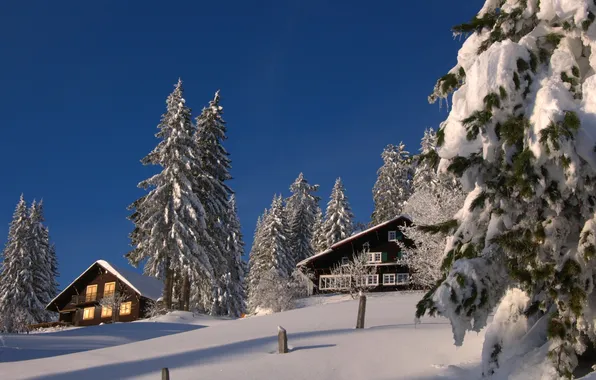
(317, 86)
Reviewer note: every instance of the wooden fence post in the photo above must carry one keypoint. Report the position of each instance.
(361, 312)
(165, 374)
(282, 340)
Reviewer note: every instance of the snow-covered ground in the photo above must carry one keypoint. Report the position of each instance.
(321, 334)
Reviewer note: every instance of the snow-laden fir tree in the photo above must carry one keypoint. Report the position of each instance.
(258, 263)
(170, 229)
(319, 241)
(425, 162)
(233, 281)
(43, 253)
(301, 211)
(394, 183)
(338, 223)
(275, 241)
(520, 136)
(19, 303)
(214, 194)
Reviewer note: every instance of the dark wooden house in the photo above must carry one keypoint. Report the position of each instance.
(386, 248)
(79, 303)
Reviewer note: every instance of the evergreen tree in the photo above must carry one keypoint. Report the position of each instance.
(393, 186)
(258, 263)
(275, 239)
(425, 175)
(301, 210)
(518, 138)
(170, 229)
(19, 304)
(44, 260)
(319, 241)
(233, 281)
(338, 223)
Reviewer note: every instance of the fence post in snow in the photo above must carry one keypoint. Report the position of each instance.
(165, 374)
(282, 340)
(361, 311)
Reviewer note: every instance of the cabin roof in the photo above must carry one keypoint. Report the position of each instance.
(145, 286)
(351, 238)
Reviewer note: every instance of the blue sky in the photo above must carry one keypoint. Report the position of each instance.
(316, 86)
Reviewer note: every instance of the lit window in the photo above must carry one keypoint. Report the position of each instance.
(389, 279)
(402, 278)
(374, 257)
(109, 288)
(106, 312)
(88, 313)
(125, 308)
(91, 293)
(392, 235)
(345, 261)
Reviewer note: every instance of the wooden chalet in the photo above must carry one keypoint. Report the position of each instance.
(79, 303)
(384, 245)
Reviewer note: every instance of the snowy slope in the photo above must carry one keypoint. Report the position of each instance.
(324, 345)
(76, 339)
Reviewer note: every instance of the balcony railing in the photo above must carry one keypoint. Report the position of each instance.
(78, 299)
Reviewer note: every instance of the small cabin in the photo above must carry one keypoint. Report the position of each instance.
(386, 247)
(79, 304)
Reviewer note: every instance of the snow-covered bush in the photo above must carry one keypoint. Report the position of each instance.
(520, 137)
(429, 206)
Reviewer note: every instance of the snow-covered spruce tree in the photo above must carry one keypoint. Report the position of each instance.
(338, 223)
(170, 229)
(425, 173)
(19, 304)
(233, 281)
(214, 194)
(430, 205)
(319, 241)
(394, 183)
(275, 241)
(301, 211)
(520, 135)
(258, 264)
(44, 261)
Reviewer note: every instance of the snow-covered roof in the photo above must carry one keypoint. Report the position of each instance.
(305, 261)
(148, 287)
(355, 236)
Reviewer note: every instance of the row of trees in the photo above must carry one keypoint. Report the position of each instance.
(29, 270)
(290, 231)
(186, 226)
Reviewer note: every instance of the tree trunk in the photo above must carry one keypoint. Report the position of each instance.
(186, 293)
(167, 293)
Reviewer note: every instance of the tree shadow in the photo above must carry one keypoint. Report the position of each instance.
(19, 347)
(196, 358)
(313, 347)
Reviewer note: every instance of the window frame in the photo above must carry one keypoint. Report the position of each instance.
(345, 260)
(127, 310)
(104, 313)
(88, 294)
(372, 257)
(389, 276)
(405, 278)
(394, 233)
(91, 315)
(105, 293)
(334, 282)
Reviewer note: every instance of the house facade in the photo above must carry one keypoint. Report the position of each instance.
(80, 303)
(386, 249)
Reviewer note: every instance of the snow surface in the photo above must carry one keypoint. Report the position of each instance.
(322, 340)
